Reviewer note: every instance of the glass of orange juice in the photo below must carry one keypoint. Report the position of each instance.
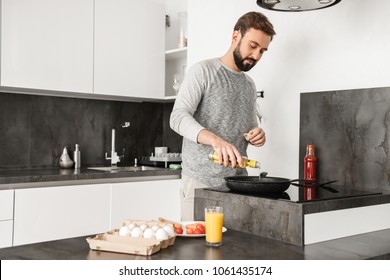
(214, 221)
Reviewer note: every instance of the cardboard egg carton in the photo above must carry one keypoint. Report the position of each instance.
(150, 223)
(111, 241)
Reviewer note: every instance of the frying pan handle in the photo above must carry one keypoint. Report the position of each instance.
(317, 186)
(263, 174)
(295, 180)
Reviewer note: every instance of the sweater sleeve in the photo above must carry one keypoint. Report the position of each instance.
(256, 116)
(182, 119)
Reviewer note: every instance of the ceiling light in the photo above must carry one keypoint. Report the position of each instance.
(296, 5)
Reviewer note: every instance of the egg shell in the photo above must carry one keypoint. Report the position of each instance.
(131, 226)
(137, 232)
(149, 233)
(161, 234)
(155, 227)
(143, 227)
(124, 231)
(169, 230)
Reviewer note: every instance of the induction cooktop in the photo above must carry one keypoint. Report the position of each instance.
(309, 194)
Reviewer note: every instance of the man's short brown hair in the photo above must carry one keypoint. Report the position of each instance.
(257, 21)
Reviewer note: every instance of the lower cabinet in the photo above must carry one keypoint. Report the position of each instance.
(50, 213)
(145, 200)
(6, 217)
(6, 233)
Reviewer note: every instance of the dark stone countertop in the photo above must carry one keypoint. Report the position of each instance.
(236, 246)
(39, 177)
(307, 207)
(277, 217)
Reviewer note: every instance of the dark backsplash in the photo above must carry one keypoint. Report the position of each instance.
(351, 133)
(35, 129)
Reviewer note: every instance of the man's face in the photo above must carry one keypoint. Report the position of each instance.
(249, 48)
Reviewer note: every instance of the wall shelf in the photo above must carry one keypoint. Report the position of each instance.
(176, 53)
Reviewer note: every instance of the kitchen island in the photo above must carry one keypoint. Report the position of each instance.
(299, 222)
(236, 246)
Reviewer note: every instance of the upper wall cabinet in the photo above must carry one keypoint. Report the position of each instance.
(47, 44)
(129, 48)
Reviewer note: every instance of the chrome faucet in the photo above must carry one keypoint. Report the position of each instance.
(115, 158)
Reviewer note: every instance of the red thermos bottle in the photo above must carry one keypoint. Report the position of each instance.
(309, 170)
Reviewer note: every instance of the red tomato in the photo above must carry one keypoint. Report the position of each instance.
(190, 231)
(197, 231)
(202, 230)
(199, 226)
(179, 230)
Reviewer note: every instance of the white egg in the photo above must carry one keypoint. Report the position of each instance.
(131, 226)
(169, 230)
(143, 227)
(124, 231)
(155, 228)
(161, 234)
(149, 233)
(136, 232)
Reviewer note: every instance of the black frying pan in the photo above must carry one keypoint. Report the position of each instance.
(258, 185)
(265, 185)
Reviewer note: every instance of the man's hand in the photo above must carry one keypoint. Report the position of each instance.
(225, 150)
(256, 137)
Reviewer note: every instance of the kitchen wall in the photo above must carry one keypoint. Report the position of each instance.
(339, 48)
(34, 129)
(350, 130)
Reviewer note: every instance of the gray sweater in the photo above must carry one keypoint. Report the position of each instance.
(223, 101)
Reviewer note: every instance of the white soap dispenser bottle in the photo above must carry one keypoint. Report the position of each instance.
(77, 157)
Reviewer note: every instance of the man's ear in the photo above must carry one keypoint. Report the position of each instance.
(236, 36)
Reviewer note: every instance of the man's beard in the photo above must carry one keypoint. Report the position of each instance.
(239, 60)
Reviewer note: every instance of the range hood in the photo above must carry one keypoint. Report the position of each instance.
(296, 5)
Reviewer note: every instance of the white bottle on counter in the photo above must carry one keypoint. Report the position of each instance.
(77, 157)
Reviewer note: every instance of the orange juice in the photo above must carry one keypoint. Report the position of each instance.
(214, 221)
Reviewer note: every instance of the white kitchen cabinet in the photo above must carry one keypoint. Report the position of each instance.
(145, 200)
(129, 48)
(50, 213)
(6, 205)
(6, 233)
(47, 44)
(6, 217)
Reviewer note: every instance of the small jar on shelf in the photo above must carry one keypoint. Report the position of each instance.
(182, 19)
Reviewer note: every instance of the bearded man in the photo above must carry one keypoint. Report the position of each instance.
(215, 111)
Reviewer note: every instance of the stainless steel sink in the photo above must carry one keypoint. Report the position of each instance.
(126, 168)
